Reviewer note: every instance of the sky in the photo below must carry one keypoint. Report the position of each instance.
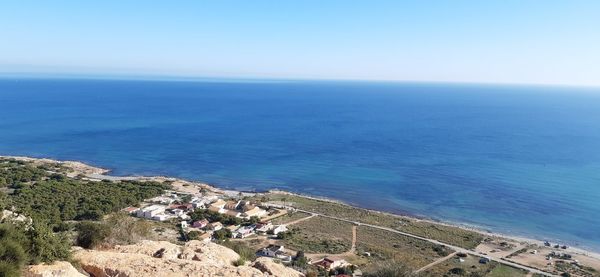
(491, 41)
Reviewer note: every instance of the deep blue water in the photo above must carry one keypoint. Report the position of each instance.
(518, 160)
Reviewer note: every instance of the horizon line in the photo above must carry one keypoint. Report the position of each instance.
(257, 79)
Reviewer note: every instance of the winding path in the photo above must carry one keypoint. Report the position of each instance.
(440, 260)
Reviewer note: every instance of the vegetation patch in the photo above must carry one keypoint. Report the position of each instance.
(48, 201)
(319, 235)
(382, 245)
(470, 266)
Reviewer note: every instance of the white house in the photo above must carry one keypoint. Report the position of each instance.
(243, 232)
(150, 211)
(279, 229)
(275, 251)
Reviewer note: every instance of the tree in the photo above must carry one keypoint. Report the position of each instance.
(45, 246)
(222, 234)
(193, 235)
(253, 220)
(300, 260)
(20, 245)
(12, 254)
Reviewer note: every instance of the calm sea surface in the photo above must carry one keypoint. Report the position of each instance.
(517, 160)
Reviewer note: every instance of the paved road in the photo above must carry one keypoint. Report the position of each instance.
(455, 248)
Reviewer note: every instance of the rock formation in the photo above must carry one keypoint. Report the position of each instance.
(57, 269)
(160, 258)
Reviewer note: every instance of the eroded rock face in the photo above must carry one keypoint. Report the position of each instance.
(56, 269)
(268, 266)
(195, 258)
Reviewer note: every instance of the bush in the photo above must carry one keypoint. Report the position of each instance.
(125, 229)
(242, 249)
(239, 262)
(457, 271)
(390, 269)
(91, 234)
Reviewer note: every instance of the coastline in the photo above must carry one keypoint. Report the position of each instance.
(99, 173)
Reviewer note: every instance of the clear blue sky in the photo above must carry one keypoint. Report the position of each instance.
(505, 41)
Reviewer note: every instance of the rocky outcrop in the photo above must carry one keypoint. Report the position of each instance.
(272, 268)
(104, 264)
(159, 258)
(208, 252)
(56, 269)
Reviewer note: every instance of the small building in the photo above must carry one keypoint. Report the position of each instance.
(232, 205)
(200, 223)
(243, 232)
(177, 212)
(279, 228)
(131, 210)
(328, 263)
(271, 251)
(216, 209)
(263, 227)
(164, 200)
(150, 211)
(205, 237)
(160, 217)
(246, 206)
(233, 213)
(215, 226)
(219, 203)
(188, 207)
(255, 211)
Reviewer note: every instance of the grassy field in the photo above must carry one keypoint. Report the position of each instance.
(289, 217)
(472, 267)
(452, 235)
(385, 245)
(320, 235)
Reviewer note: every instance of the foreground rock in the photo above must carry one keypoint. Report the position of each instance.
(62, 269)
(268, 266)
(159, 258)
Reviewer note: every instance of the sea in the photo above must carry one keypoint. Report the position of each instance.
(518, 160)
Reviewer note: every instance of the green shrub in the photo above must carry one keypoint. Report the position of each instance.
(91, 234)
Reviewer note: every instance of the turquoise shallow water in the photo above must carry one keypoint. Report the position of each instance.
(517, 160)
